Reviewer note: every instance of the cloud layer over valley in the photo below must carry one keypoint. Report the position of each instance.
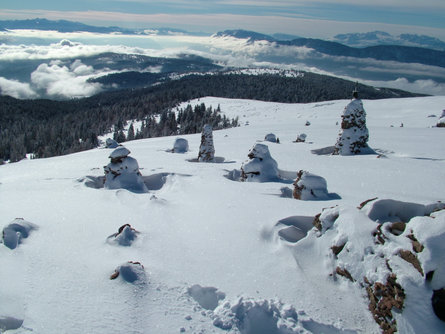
(57, 65)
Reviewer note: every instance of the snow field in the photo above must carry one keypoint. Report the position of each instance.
(202, 228)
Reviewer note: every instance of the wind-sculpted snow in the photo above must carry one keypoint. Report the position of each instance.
(207, 297)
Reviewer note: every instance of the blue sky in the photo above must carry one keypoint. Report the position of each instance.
(322, 18)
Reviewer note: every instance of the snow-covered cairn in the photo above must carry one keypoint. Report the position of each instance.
(354, 134)
(181, 145)
(308, 186)
(206, 150)
(260, 167)
(123, 172)
(441, 121)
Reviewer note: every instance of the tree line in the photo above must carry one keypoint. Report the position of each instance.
(48, 128)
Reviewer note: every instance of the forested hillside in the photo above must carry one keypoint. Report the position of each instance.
(49, 128)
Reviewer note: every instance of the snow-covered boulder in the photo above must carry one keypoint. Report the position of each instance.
(309, 186)
(260, 167)
(359, 246)
(181, 145)
(353, 137)
(206, 149)
(270, 137)
(17, 230)
(124, 236)
(123, 172)
(111, 143)
(301, 138)
(131, 272)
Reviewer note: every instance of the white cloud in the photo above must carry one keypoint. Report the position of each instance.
(16, 89)
(63, 81)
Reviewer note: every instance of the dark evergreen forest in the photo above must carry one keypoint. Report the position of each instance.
(48, 128)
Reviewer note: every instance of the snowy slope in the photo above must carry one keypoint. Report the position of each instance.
(198, 227)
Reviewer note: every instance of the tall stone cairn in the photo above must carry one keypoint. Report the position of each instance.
(354, 134)
(206, 150)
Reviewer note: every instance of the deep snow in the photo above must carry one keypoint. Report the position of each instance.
(200, 232)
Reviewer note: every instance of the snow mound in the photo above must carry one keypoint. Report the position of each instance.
(257, 317)
(17, 230)
(207, 297)
(125, 236)
(389, 260)
(270, 137)
(260, 167)
(309, 186)
(123, 172)
(389, 210)
(111, 143)
(131, 272)
(180, 145)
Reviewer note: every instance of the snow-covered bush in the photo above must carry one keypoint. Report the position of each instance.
(260, 167)
(181, 145)
(123, 172)
(271, 138)
(17, 230)
(354, 134)
(124, 236)
(206, 149)
(308, 186)
(111, 143)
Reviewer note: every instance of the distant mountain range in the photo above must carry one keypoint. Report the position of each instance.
(399, 53)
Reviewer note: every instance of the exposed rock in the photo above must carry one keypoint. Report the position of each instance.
(206, 149)
(411, 258)
(397, 228)
(441, 121)
(337, 249)
(344, 272)
(417, 246)
(383, 298)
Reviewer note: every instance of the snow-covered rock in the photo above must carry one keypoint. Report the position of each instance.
(260, 167)
(123, 172)
(181, 145)
(206, 149)
(301, 138)
(125, 236)
(270, 137)
(354, 135)
(361, 247)
(131, 272)
(309, 186)
(17, 230)
(111, 143)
